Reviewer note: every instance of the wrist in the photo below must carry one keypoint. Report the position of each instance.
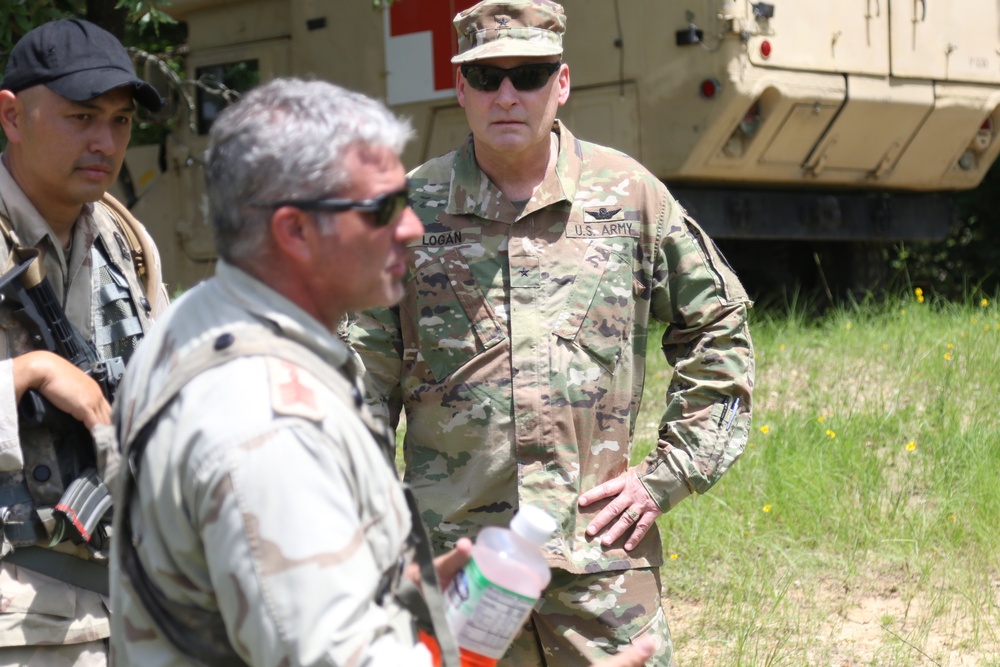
(30, 371)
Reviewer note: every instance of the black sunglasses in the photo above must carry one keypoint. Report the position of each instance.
(386, 207)
(523, 77)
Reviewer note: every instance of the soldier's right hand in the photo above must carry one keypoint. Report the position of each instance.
(63, 384)
(635, 655)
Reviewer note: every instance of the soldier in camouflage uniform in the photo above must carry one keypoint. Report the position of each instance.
(267, 509)
(270, 527)
(66, 105)
(518, 349)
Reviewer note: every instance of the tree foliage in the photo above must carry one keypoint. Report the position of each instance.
(132, 21)
(967, 262)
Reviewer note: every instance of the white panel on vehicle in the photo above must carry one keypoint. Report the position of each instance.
(850, 37)
(803, 126)
(410, 75)
(946, 40)
(606, 115)
(419, 43)
(877, 123)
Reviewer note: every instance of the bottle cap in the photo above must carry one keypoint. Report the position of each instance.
(533, 524)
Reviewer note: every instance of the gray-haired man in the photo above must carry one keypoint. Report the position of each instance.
(267, 524)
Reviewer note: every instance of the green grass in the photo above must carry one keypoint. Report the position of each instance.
(861, 527)
(862, 524)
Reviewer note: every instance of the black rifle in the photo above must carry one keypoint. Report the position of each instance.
(86, 499)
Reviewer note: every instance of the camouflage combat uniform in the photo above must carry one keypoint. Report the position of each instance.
(38, 610)
(263, 497)
(518, 354)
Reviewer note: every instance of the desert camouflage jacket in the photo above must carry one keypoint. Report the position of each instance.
(518, 350)
(262, 497)
(37, 609)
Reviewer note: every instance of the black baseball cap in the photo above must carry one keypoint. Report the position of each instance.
(76, 59)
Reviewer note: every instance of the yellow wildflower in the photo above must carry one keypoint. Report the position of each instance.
(821, 419)
(947, 356)
(984, 303)
(674, 556)
(767, 508)
(911, 445)
(831, 433)
(949, 346)
(765, 429)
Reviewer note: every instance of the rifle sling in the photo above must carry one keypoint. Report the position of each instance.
(64, 567)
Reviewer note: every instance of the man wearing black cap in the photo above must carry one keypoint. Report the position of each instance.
(66, 104)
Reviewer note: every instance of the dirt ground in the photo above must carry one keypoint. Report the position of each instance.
(824, 623)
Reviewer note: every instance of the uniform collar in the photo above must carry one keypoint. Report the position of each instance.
(472, 193)
(293, 322)
(31, 228)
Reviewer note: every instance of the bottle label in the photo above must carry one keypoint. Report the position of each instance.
(484, 617)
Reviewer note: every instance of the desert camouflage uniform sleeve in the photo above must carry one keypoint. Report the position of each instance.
(10, 442)
(707, 344)
(291, 591)
(11, 457)
(375, 337)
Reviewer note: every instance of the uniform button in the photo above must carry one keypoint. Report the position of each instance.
(144, 302)
(41, 473)
(358, 400)
(224, 341)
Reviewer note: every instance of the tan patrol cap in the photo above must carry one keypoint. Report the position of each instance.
(499, 28)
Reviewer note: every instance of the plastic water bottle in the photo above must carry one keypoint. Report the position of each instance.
(488, 602)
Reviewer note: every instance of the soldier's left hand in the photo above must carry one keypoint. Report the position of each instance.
(446, 565)
(632, 509)
(638, 653)
(449, 564)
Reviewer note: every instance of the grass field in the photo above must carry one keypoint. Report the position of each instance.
(862, 525)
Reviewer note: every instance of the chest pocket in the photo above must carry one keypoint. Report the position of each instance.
(454, 322)
(599, 312)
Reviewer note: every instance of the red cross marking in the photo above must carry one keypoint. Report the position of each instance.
(294, 391)
(411, 16)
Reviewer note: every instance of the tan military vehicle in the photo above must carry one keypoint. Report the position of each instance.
(775, 123)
